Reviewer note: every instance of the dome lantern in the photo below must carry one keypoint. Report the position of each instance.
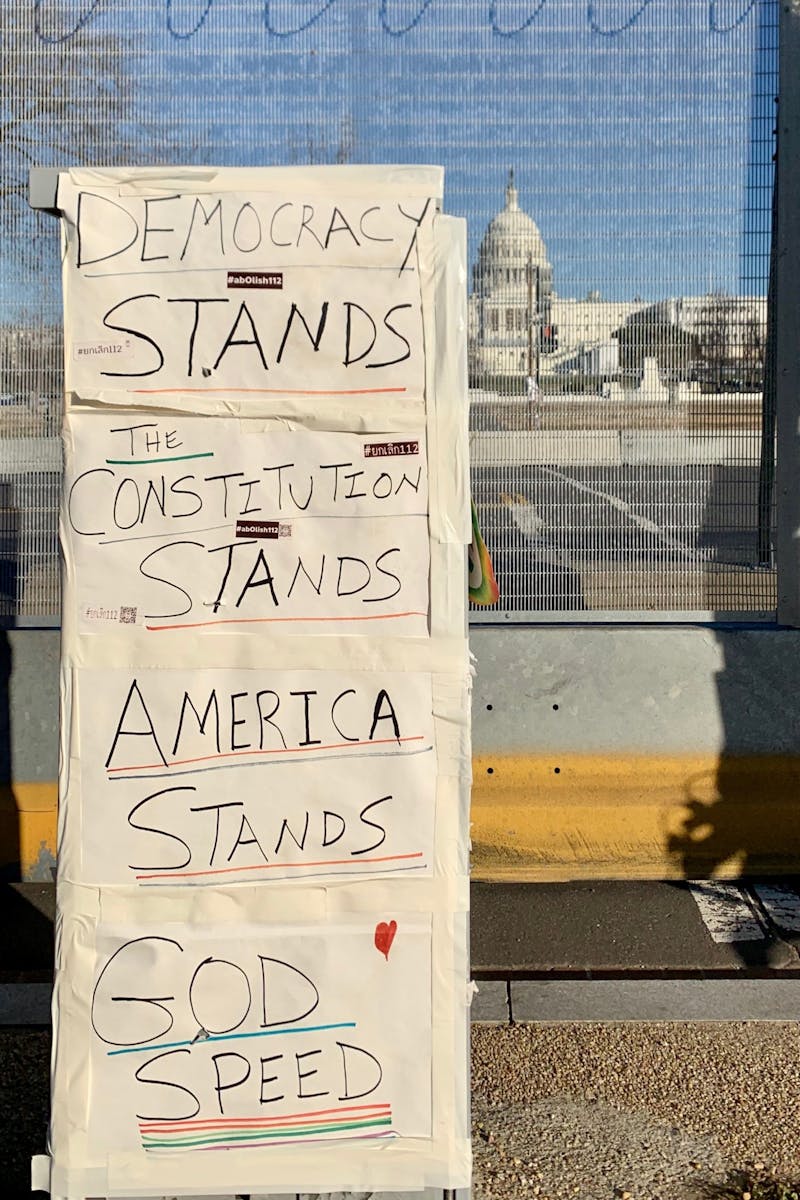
(512, 203)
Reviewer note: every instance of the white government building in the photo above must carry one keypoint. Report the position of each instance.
(513, 277)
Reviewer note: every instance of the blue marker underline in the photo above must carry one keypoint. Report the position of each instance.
(227, 1037)
(272, 762)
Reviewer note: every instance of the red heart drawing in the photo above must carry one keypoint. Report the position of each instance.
(384, 936)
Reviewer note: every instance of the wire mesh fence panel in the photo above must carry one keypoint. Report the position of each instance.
(614, 161)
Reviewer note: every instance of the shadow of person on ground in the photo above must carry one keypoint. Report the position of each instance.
(740, 820)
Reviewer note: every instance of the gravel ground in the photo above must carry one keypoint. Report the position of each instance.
(628, 1111)
(24, 1106)
(654, 1111)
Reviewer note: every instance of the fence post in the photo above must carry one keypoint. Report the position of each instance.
(787, 315)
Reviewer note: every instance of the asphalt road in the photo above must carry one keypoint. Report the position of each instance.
(24, 1105)
(547, 526)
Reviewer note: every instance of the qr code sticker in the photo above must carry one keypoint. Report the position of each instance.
(127, 615)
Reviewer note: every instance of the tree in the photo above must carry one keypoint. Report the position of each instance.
(754, 344)
(731, 339)
(649, 334)
(313, 147)
(62, 103)
(715, 334)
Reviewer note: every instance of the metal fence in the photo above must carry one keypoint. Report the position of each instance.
(614, 160)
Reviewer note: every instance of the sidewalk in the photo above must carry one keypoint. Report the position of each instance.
(596, 929)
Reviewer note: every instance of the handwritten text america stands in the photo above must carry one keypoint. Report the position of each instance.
(169, 718)
(219, 776)
(311, 815)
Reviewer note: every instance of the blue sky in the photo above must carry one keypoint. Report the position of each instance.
(640, 132)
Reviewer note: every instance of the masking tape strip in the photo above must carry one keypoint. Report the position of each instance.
(76, 924)
(442, 265)
(241, 904)
(323, 180)
(234, 905)
(369, 416)
(450, 521)
(452, 818)
(68, 771)
(425, 260)
(378, 1169)
(269, 651)
(451, 710)
(40, 1173)
(449, 587)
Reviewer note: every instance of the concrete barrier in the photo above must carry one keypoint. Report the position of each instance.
(677, 447)
(585, 447)
(20, 455)
(613, 448)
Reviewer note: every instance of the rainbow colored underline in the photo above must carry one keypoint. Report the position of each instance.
(259, 1135)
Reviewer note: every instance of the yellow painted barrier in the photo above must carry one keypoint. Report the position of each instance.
(559, 817)
(540, 818)
(28, 822)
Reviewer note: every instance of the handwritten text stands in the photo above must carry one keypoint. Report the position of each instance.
(262, 959)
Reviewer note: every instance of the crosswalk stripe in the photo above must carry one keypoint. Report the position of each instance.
(726, 913)
(782, 905)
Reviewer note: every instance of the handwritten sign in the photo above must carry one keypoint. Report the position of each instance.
(205, 523)
(261, 980)
(243, 294)
(239, 775)
(259, 1037)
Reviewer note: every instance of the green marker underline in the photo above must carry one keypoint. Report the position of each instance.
(227, 1037)
(143, 462)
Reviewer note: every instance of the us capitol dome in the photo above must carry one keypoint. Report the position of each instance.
(519, 326)
(512, 287)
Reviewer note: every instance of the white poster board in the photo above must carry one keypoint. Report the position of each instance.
(272, 1037)
(261, 982)
(197, 291)
(267, 526)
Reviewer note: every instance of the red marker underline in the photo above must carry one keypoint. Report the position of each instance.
(182, 762)
(330, 862)
(273, 620)
(268, 391)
